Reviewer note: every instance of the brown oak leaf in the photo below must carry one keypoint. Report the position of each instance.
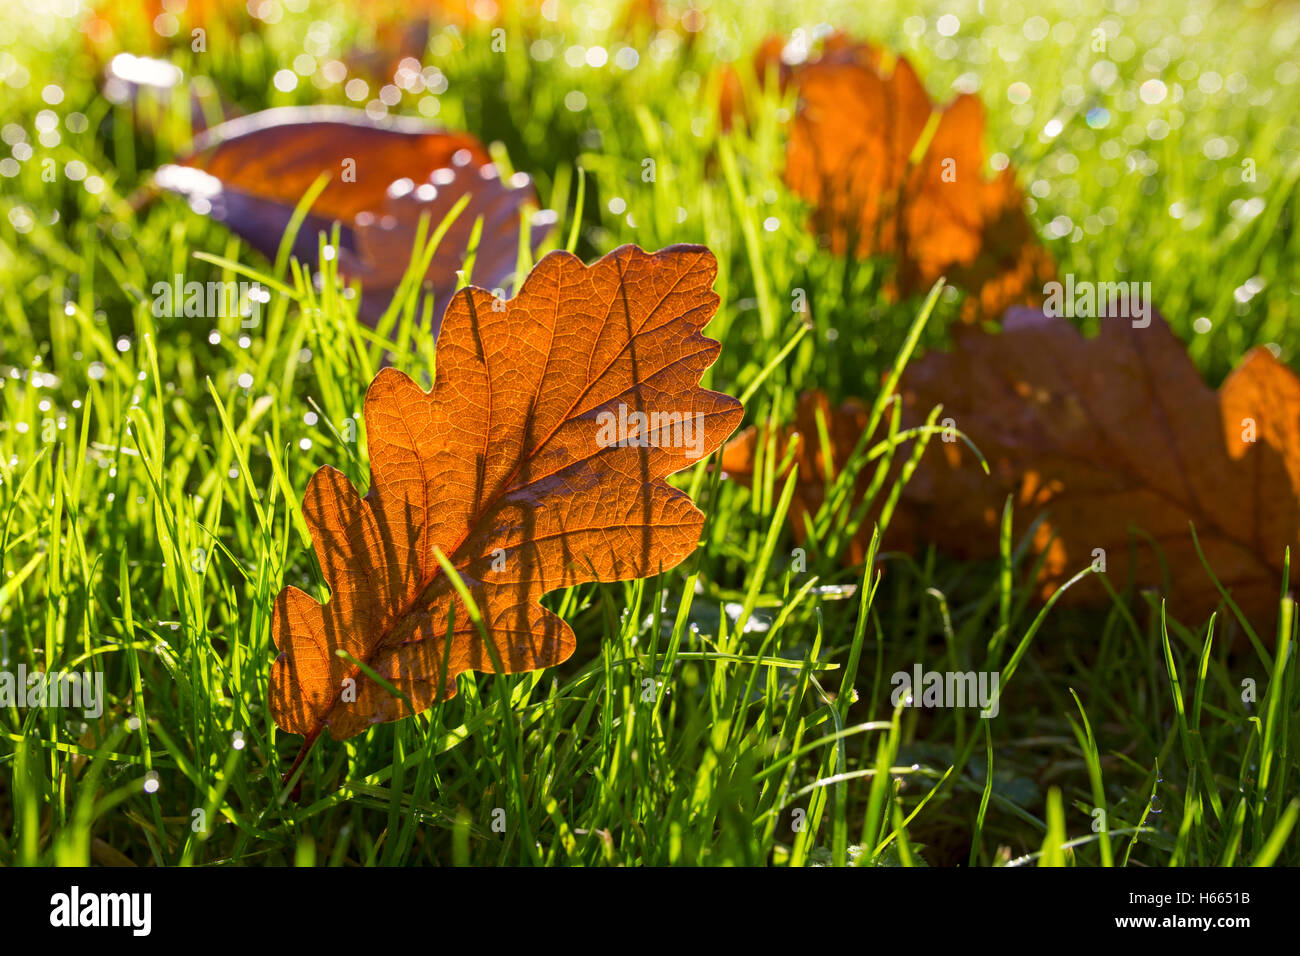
(528, 465)
(1119, 442)
(971, 230)
(250, 173)
(852, 154)
(775, 58)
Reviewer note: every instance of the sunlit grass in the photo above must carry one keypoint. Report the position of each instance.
(736, 710)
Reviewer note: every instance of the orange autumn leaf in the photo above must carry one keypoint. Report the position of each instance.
(773, 59)
(385, 175)
(1119, 442)
(972, 231)
(852, 155)
(525, 465)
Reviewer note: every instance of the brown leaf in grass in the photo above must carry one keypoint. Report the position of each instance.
(1119, 442)
(251, 172)
(852, 153)
(848, 151)
(971, 230)
(775, 57)
(508, 467)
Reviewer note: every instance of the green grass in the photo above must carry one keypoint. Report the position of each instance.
(736, 710)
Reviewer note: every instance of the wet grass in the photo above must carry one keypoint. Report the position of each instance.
(737, 709)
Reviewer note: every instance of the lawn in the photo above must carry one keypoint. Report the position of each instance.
(735, 710)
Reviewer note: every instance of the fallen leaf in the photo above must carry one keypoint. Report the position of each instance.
(970, 230)
(1119, 442)
(506, 466)
(251, 172)
(783, 59)
(848, 151)
(852, 155)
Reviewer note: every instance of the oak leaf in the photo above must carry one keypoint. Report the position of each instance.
(779, 58)
(852, 154)
(1119, 442)
(250, 173)
(509, 469)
